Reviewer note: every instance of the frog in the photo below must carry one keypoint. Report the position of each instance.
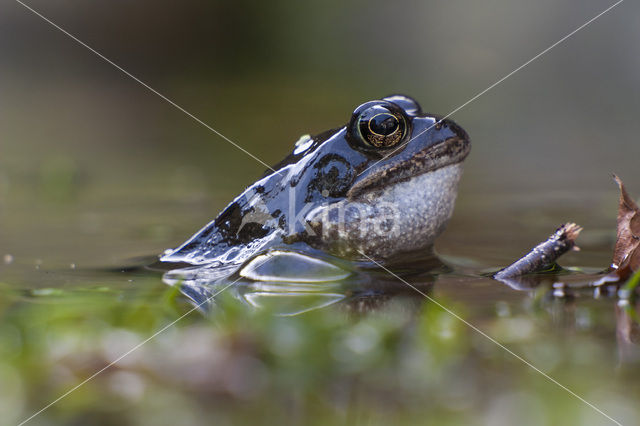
(378, 189)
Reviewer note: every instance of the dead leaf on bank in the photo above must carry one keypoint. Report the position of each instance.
(626, 254)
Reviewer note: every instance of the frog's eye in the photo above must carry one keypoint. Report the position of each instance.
(378, 124)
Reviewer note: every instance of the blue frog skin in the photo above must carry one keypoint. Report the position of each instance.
(381, 187)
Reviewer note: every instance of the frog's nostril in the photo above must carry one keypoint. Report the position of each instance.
(451, 125)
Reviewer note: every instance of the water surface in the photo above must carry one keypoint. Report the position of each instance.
(98, 176)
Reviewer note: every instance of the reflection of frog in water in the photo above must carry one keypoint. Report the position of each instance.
(382, 187)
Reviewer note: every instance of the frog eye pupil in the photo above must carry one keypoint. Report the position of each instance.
(381, 128)
(383, 124)
(378, 125)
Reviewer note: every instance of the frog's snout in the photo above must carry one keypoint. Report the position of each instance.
(456, 129)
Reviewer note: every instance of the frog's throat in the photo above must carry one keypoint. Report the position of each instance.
(402, 218)
(451, 151)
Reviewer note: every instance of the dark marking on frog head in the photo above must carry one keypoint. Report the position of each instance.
(333, 178)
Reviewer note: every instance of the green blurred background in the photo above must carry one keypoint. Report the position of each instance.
(95, 171)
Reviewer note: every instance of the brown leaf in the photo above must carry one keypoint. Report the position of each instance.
(626, 255)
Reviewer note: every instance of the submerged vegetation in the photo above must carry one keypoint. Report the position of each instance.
(405, 361)
(96, 171)
(372, 358)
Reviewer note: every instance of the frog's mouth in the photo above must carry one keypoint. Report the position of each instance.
(408, 165)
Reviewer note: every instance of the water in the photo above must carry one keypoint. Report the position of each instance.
(98, 176)
(77, 231)
(373, 353)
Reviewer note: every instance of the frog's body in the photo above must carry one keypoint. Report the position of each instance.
(383, 185)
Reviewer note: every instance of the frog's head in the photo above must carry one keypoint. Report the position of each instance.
(382, 185)
(399, 171)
